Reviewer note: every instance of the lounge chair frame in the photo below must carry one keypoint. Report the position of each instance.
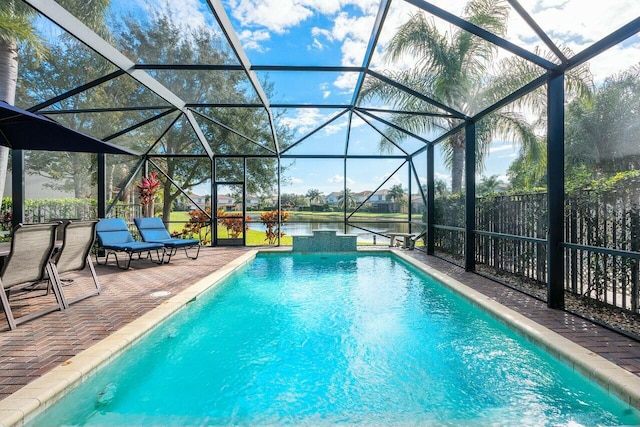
(114, 237)
(75, 255)
(36, 241)
(153, 230)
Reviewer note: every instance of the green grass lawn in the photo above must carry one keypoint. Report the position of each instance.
(257, 238)
(254, 237)
(340, 215)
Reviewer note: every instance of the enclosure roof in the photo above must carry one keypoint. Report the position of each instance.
(301, 66)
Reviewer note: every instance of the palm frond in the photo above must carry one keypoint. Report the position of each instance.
(420, 39)
(15, 22)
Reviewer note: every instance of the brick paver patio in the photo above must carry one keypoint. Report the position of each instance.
(41, 344)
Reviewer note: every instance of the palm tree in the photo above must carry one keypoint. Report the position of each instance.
(16, 27)
(488, 184)
(314, 195)
(602, 133)
(453, 68)
(348, 198)
(396, 195)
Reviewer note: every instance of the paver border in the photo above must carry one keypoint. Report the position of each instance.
(35, 397)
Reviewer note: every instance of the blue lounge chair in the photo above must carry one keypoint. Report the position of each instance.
(153, 230)
(114, 236)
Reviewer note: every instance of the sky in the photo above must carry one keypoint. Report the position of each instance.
(336, 32)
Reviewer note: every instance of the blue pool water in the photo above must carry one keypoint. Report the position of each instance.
(336, 339)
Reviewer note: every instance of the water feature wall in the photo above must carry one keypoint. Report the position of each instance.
(325, 241)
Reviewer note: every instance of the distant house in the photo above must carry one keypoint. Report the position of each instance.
(252, 202)
(334, 198)
(226, 202)
(379, 202)
(200, 202)
(379, 196)
(417, 204)
(362, 196)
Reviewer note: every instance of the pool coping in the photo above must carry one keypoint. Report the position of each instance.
(613, 378)
(28, 402)
(35, 397)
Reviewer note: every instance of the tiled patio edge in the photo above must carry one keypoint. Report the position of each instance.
(613, 378)
(40, 394)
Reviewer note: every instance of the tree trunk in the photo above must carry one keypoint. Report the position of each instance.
(148, 210)
(8, 81)
(457, 169)
(167, 198)
(78, 176)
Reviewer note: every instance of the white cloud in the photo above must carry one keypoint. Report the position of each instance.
(295, 180)
(275, 15)
(392, 181)
(496, 148)
(315, 32)
(280, 15)
(304, 121)
(339, 179)
(615, 60)
(335, 127)
(308, 119)
(252, 40)
(324, 87)
(353, 51)
(315, 45)
(190, 13)
(346, 81)
(443, 176)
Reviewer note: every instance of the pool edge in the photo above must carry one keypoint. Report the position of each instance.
(37, 396)
(607, 374)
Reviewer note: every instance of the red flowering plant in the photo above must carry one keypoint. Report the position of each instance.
(147, 190)
(198, 224)
(270, 220)
(233, 223)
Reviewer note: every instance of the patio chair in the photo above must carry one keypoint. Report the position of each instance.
(114, 237)
(75, 255)
(30, 261)
(152, 229)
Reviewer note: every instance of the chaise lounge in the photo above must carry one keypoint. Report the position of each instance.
(30, 261)
(114, 237)
(75, 255)
(153, 230)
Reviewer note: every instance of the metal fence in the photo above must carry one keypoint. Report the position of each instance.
(602, 241)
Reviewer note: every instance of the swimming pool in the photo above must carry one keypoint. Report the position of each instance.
(335, 339)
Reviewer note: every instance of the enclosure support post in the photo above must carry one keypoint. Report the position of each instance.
(345, 199)
(102, 185)
(244, 201)
(555, 191)
(409, 205)
(214, 204)
(470, 196)
(17, 187)
(279, 207)
(431, 211)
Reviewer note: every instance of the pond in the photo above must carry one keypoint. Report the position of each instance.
(305, 225)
